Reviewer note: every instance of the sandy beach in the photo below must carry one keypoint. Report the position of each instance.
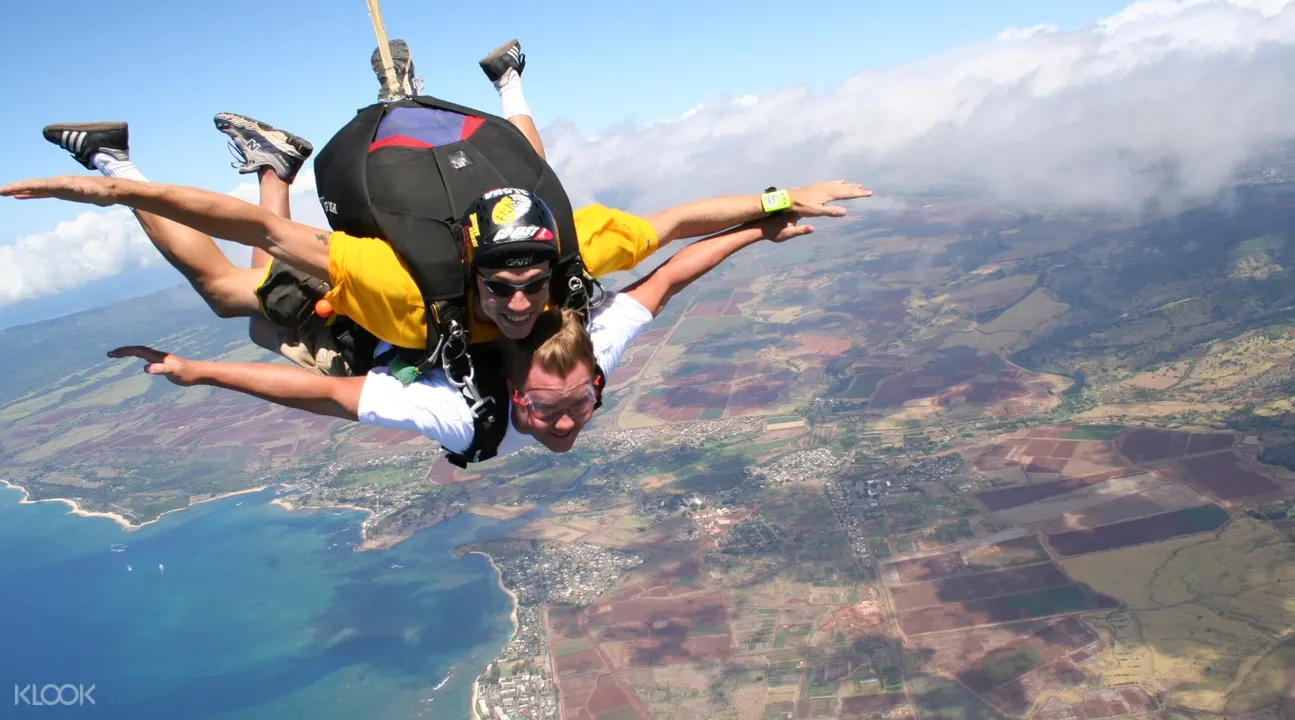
(125, 524)
(512, 597)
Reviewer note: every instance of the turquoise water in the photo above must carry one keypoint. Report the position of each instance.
(238, 608)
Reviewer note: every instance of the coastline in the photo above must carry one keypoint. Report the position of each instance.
(125, 524)
(512, 597)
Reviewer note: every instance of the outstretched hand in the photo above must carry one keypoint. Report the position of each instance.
(780, 228)
(173, 367)
(812, 200)
(76, 188)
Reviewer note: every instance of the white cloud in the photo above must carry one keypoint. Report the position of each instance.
(1161, 100)
(97, 245)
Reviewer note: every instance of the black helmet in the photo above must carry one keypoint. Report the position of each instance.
(509, 228)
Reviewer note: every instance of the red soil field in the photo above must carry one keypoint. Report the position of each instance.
(994, 459)
(608, 694)
(959, 653)
(867, 704)
(978, 587)
(929, 568)
(1065, 449)
(1202, 443)
(629, 370)
(1149, 445)
(388, 437)
(953, 616)
(581, 662)
(1017, 696)
(708, 608)
(442, 472)
(1223, 475)
(1113, 511)
(709, 308)
(823, 344)
(1131, 532)
(1026, 494)
(564, 623)
(703, 375)
(651, 337)
(754, 396)
(1103, 703)
(1039, 448)
(576, 691)
(1045, 465)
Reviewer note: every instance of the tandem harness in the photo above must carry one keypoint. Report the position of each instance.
(406, 172)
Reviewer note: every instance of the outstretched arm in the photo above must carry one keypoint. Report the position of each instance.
(712, 215)
(288, 386)
(699, 258)
(215, 214)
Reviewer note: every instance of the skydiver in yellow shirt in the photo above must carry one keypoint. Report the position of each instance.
(367, 282)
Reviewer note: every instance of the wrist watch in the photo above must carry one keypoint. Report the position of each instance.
(774, 201)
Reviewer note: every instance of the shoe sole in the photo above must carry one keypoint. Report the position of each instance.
(499, 51)
(86, 127)
(296, 144)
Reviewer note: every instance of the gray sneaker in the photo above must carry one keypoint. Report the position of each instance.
(256, 145)
(407, 84)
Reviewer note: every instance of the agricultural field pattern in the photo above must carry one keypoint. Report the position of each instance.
(944, 462)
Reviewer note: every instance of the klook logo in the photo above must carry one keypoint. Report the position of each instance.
(31, 694)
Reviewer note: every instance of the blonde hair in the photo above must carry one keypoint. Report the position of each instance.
(558, 344)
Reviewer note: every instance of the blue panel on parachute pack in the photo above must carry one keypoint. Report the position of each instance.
(423, 127)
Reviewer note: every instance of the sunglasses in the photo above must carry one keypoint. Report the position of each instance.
(505, 289)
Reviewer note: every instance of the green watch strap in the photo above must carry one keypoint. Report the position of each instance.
(775, 201)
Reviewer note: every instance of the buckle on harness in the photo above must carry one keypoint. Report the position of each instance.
(452, 348)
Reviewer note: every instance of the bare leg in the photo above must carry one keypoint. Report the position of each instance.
(503, 67)
(228, 289)
(274, 197)
(532, 133)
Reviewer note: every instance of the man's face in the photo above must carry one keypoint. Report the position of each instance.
(513, 299)
(554, 408)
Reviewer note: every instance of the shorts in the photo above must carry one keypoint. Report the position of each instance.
(313, 346)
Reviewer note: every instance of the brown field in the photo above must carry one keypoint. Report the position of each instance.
(1151, 445)
(581, 662)
(822, 344)
(1025, 494)
(978, 587)
(1046, 465)
(606, 696)
(1009, 553)
(685, 403)
(954, 616)
(867, 705)
(995, 458)
(933, 567)
(1017, 696)
(658, 631)
(1102, 703)
(1131, 532)
(707, 309)
(1163, 498)
(958, 653)
(1223, 476)
(1084, 498)
(1055, 432)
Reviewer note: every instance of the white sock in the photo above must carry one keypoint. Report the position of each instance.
(510, 94)
(114, 168)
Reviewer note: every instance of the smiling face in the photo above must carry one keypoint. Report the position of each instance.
(554, 408)
(513, 298)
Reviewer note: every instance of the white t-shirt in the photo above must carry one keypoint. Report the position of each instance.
(436, 409)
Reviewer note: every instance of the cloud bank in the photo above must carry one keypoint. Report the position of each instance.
(1161, 101)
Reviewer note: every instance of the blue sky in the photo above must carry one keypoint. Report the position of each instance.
(303, 65)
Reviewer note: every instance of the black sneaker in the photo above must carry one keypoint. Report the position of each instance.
(407, 84)
(83, 140)
(258, 145)
(502, 59)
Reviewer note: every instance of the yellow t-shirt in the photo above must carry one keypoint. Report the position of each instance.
(373, 287)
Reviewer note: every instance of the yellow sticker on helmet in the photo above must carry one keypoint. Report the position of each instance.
(504, 212)
(474, 230)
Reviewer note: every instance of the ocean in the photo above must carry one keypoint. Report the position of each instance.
(240, 609)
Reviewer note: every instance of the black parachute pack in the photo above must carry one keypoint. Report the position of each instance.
(406, 172)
